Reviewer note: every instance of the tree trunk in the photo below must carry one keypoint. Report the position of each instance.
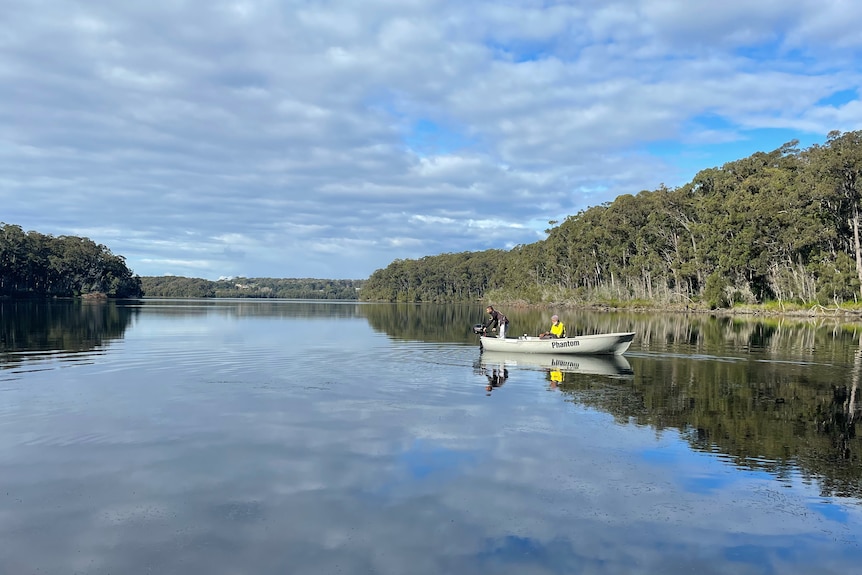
(856, 247)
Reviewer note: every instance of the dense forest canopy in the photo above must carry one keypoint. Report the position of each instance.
(37, 264)
(778, 226)
(290, 288)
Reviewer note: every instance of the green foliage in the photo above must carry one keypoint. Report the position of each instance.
(779, 225)
(459, 277)
(715, 291)
(837, 279)
(33, 264)
(177, 287)
(625, 304)
(282, 288)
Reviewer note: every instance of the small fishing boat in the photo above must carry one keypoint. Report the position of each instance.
(598, 344)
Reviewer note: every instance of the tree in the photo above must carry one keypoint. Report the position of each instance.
(841, 176)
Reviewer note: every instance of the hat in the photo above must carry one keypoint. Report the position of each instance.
(555, 317)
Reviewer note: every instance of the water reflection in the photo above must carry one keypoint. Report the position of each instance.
(497, 376)
(67, 331)
(771, 394)
(559, 363)
(425, 322)
(763, 415)
(239, 307)
(214, 440)
(774, 396)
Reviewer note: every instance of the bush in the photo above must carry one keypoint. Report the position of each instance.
(715, 291)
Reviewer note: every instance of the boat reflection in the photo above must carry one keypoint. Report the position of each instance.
(558, 363)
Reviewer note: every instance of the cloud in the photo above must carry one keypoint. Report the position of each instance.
(302, 127)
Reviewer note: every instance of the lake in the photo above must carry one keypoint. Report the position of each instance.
(275, 437)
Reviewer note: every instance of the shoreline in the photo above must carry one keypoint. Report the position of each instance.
(795, 311)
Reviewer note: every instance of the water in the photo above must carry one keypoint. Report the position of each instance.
(226, 437)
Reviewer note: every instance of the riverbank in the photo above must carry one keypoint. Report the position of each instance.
(771, 309)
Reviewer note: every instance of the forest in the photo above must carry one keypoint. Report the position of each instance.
(239, 287)
(35, 264)
(779, 226)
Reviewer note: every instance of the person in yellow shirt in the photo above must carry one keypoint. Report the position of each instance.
(557, 329)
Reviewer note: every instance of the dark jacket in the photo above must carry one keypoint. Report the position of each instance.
(496, 319)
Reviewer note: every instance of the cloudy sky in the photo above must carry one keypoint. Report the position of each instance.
(326, 138)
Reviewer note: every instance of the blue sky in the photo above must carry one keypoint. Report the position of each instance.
(329, 138)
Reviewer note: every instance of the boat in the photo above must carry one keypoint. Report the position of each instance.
(598, 344)
(607, 364)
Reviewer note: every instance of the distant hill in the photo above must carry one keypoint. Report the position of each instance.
(239, 287)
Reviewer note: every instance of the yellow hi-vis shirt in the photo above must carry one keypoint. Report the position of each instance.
(559, 329)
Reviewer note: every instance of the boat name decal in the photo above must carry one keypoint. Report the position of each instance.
(556, 344)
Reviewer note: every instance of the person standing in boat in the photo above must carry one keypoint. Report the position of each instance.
(557, 329)
(496, 320)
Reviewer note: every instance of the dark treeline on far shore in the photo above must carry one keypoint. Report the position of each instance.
(239, 287)
(38, 265)
(780, 226)
(34, 264)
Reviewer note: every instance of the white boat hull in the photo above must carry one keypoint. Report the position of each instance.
(604, 343)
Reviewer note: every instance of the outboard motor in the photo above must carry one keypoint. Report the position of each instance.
(479, 329)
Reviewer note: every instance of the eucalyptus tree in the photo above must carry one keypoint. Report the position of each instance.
(651, 259)
(839, 167)
(617, 251)
(588, 251)
(680, 213)
(551, 265)
(792, 227)
(672, 230)
(14, 254)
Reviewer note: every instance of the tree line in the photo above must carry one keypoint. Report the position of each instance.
(778, 226)
(35, 264)
(240, 287)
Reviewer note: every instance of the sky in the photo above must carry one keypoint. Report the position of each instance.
(328, 138)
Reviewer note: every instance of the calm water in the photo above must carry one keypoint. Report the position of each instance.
(240, 437)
